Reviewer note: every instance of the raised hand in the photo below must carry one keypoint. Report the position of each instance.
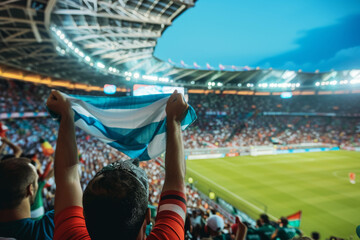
(57, 103)
(176, 107)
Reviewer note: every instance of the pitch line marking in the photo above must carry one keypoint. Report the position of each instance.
(234, 195)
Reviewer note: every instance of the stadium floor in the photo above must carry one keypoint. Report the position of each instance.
(316, 183)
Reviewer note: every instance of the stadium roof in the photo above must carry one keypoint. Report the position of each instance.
(112, 41)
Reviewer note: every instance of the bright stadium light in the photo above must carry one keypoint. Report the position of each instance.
(213, 84)
(219, 84)
(239, 85)
(81, 54)
(62, 36)
(128, 78)
(298, 85)
(76, 50)
(136, 75)
(58, 32)
(192, 82)
(66, 40)
(148, 77)
(87, 58)
(164, 79)
(100, 65)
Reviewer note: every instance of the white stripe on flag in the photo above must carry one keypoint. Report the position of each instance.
(126, 118)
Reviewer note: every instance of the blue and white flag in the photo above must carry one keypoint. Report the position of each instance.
(135, 126)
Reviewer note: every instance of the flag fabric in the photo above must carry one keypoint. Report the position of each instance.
(294, 219)
(222, 67)
(171, 62)
(209, 67)
(134, 125)
(3, 130)
(196, 65)
(183, 63)
(46, 148)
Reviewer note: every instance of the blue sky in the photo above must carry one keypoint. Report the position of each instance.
(282, 34)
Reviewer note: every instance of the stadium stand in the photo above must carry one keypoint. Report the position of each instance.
(224, 121)
(48, 44)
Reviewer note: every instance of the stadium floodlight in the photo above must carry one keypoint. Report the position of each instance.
(209, 83)
(58, 32)
(239, 85)
(136, 75)
(87, 58)
(192, 82)
(298, 85)
(354, 73)
(149, 77)
(66, 40)
(209, 87)
(128, 78)
(76, 50)
(100, 65)
(219, 84)
(70, 44)
(213, 84)
(91, 64)
(164, 79)
(110, 69)
(81, 54)
(63, 51)
(62, 36)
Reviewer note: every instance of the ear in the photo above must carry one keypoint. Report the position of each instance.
(30, 190)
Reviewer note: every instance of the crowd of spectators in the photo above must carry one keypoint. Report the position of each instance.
(223, 121)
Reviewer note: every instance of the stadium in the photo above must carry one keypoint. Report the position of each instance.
(279, 142)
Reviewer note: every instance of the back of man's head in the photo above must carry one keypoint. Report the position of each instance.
(284, 221)
(115, 203)
(16, 174)
(265, 218)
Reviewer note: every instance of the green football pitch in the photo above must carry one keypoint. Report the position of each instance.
(316, 183)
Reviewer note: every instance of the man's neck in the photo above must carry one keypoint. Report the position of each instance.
(20, 212)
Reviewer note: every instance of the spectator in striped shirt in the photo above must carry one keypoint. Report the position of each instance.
(114, 204)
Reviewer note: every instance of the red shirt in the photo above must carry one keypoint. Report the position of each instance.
(169, 223)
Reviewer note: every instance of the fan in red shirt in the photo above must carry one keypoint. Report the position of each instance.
(114, 204)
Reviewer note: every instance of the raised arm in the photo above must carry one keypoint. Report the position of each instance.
(174, 158)
(16, 149)
(67, 179)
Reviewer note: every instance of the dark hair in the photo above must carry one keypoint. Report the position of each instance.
(284, 221)
(315, 235)
(265, 218)
(115, 204)
(15, 176)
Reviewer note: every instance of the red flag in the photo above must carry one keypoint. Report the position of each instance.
(3, 129)
(294, 219)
